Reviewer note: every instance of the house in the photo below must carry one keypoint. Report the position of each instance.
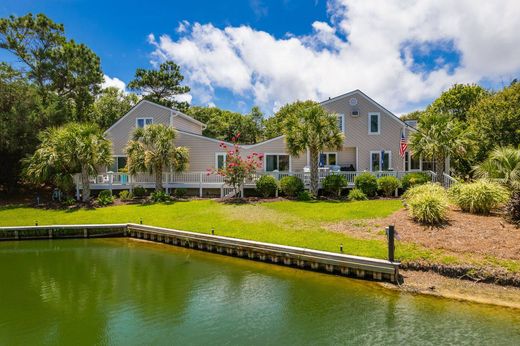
(372, 142)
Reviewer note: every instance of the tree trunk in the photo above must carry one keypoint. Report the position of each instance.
(439, 169)
(158, 179)
(314, 172)
(85, 182)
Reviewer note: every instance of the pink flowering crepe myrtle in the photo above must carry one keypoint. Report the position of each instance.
(237, 169)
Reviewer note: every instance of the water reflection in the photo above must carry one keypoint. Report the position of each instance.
(119, 291)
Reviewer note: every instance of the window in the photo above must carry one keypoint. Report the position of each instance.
(341, 122)
(328, 159)
(375, 160)
(118, 164)
(374, 123)
(277, 162)
(142, 122)
(220, 160)
(428, 165)
(411, 163)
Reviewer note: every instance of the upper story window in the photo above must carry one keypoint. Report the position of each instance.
(374, 123)
(143, 122)
(277, 162)
(341, 122)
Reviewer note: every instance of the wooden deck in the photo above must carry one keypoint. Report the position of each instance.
(203, 180)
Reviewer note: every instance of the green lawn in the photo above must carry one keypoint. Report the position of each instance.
(303, 224)
(285, 222)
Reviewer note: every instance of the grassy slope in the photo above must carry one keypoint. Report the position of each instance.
(289, 223)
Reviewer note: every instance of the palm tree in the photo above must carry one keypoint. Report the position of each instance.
(313, 128)
(439, 136)
(152, 149)
(503, 164)
(67, 150)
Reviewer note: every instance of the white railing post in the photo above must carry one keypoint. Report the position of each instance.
(110, 181)
(200, 184)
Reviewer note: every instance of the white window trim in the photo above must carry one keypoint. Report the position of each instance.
(115, 157)
(342, 116)
(265, 160)
(410, 163)
(379, 152)
(217, 154)
(137, 119)
(378, 123)
(327, 153)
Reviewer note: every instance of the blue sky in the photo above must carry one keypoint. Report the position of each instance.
(238, 53)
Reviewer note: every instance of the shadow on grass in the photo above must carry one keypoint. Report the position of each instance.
(13, 206)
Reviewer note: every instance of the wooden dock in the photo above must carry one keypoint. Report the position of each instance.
(334, 263)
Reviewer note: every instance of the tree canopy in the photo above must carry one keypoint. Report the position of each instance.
(161, 86)
(67, 150)
(152, 150)
(495, 120)
(224, 125)
(309, 126)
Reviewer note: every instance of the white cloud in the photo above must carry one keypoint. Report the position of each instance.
(365, 45)
(113, 82)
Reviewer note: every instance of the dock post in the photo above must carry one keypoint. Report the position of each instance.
(391, 243)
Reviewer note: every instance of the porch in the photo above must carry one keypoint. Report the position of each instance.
(202, 180)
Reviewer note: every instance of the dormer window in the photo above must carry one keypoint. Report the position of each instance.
(143, 122)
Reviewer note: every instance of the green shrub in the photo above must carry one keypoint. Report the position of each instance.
(159, 196)
(69, 201)
(266, 186)
(356, 195)
(105, 198)
(291, 186)
(367, 183)
(513, 208)
(125, 195)
(413, 179)
(333, 184)
(428, 188)
(388, 185)
(180, 192)
(305, 196)
(478, 197)
(139, 191)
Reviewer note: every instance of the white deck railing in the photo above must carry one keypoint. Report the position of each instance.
(203, 179)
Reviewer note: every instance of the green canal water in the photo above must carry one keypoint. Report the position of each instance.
(125, 292)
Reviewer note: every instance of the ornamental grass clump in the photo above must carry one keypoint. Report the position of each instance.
(388, 185)
(427, 204)
(479, 197)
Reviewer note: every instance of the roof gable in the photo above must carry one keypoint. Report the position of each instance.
(173, 113)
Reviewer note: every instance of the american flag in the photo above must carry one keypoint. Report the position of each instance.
(402, 145)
